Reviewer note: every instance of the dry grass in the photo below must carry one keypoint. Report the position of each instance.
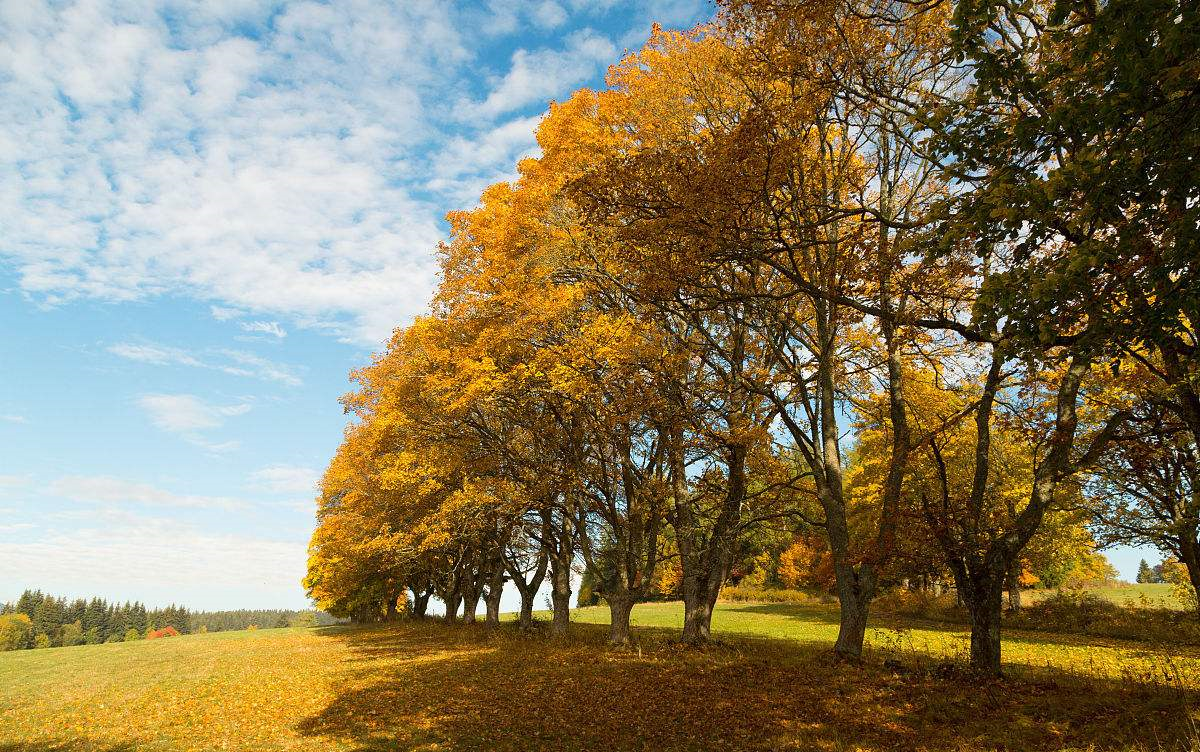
(431, 687)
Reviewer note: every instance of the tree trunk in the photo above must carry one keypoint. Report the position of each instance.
(390, 613)
(854, 601)
(620, 605)
(470, 605)
(525, 619)
(528, 588)
(699, 599)
(492, 601)
(983, 595)
(1014, 588)
(420, 603)
(562, 554)
(452, 604)
(560, 597)
(1190, 555)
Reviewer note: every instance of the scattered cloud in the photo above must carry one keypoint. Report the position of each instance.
(155, 354)
(186, 413)
(270, 175)
(108, 490)
(548, 14)
(539, 75)
(14, 419)
(499, 149)
(249, 364)
(290, 479)
(17, 527)
(264, 327)
(269, 159)
(233, 362)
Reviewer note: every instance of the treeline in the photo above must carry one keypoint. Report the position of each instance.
(38, 620)
(224, 621)
(907, 290)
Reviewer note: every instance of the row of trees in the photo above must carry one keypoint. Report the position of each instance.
(40, 620)
(915, 280)
(262, 618)
(37, 619)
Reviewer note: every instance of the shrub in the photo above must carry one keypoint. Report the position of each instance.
(72, 634)
(167, 631)
(132, 634)
(1175, 573)
(41, 641)
(919, 605)
(746, 593)
(16, 632)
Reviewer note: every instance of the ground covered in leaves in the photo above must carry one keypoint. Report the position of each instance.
(771, 684)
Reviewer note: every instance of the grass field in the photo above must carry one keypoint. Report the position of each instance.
(771, 684)
(1141, 594)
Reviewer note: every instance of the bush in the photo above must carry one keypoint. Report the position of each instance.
(746, 593)
(16, 632)
(41, 641)
(919, 605)
(72, 634)
(132, 634)
(167, 631)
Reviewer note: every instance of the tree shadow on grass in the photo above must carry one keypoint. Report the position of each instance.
(434, 687)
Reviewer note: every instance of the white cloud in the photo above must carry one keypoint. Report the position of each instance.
(14, 418)
(109, 490)
(187, 413)
(154, 354)
(496, 151)
(14, 481)
(286, 479)
(548, 14)
(119, 554)
(238, 362)
(250, 364)
(284, 177)
(271, 176)
(264, 327)
(542, 74)
(17, 527)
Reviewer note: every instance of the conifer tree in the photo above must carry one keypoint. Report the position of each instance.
(1144, 574)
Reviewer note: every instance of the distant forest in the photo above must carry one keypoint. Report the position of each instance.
(39, 620)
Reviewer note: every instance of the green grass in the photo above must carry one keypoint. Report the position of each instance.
(1024, 652)
(770, 684)
(1141, 594)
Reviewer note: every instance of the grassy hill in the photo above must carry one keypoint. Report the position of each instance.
(770, 685)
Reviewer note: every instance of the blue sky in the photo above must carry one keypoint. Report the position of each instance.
(209, 213)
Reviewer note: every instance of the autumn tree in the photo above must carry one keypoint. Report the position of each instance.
(1146, 489)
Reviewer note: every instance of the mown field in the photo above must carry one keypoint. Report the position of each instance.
(770, 684)
(1142, 594)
